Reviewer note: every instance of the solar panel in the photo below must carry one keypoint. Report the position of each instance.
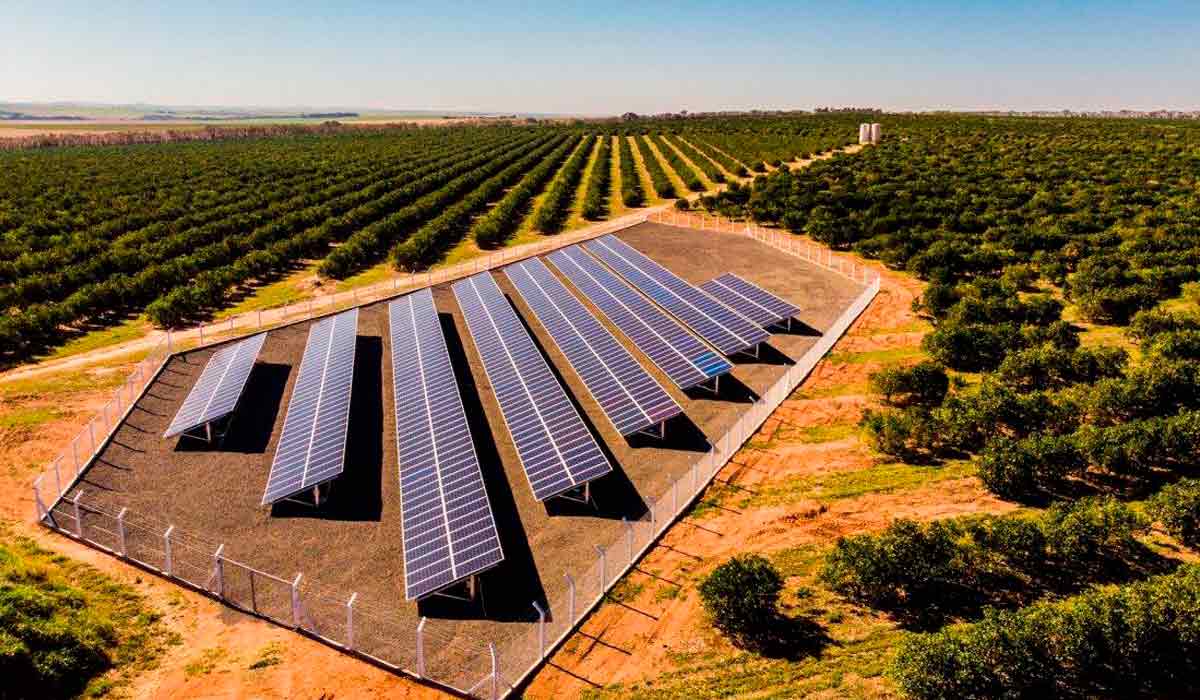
(720, 326)
(685, 360)
(219, 387)
(750, 300)
(312, 447)
(448, 528)
(631, 399)
(556, 450)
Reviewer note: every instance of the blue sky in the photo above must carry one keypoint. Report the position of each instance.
(606, 57)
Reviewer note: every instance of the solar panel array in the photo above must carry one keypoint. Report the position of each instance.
(312, 447)
(685, 360)
(219, 387)
(631, 399)
(750, 300)
(556, 450)
(449, 530)
(725, 329)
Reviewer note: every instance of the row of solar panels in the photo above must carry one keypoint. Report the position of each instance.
(449, 531)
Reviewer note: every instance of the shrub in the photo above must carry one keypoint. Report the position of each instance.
(1177, 507)
(1080, 530)
(903, 564)
(909, 434)
(1147, 324)
(742, 597)
(923, 384)
(682, 204)
(1018, 469)
(1114, 642)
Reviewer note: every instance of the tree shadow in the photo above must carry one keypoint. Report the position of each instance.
(1024, 584)
(788, 638)
(356, 495)
(518, 572)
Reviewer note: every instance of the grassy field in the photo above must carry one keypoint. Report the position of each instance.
(67, 630)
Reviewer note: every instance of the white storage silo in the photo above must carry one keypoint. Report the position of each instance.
(876, 133)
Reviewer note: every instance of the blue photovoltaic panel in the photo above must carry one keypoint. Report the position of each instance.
(312, 447)
(448, 528)
(749, 300)
(555, 448)
(631, 399)
(720, 326)
(685, 360)
(219, 387)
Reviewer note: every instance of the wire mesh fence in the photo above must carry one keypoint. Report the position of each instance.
(430, 650)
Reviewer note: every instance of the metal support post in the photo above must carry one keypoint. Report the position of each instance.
(37, 499)
(350, 621)
(219, 571)
(495, 671)
(121, 532)
(541, 630)
(296, 601)
(421, 647)
(78, 514)
(168, 561)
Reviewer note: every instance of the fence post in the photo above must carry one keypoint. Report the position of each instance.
(78, 518)
(168, 561)
(495, 671)
(628, 539)
(541, 630)
(675, 498)
(219, 571)
(421, 647)
(350, 621)
(570, 599)
(92, 433)
(260, 318)
(653, 507)
(169, 345)
(37, 499)
(296, 601)
(121, 532)
(57, 476)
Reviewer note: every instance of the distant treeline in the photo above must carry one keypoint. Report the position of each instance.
(206, 133)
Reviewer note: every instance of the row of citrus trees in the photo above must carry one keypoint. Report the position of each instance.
(253, 209)
(50, 199)
(1018, 227)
